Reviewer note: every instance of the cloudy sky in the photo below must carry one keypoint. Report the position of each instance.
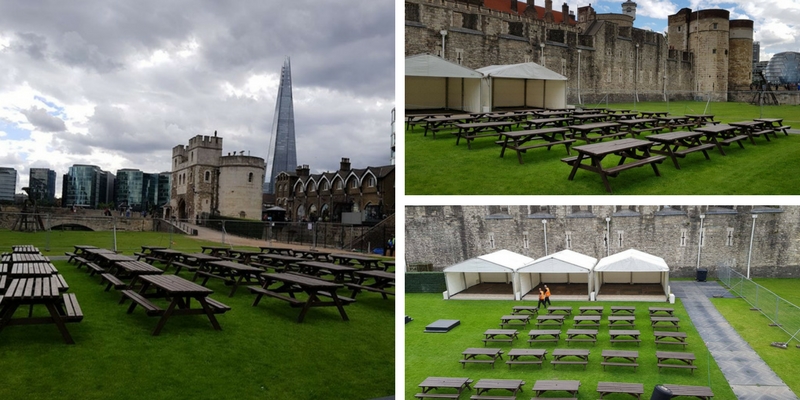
(118, 84)
(776, 24)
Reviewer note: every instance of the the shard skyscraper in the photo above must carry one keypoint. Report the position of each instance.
(282, 154)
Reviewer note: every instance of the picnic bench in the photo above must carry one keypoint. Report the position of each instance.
(622, 310)
(576, 335)
(630, 358)
(540, 123)
(621, 320)
(653, 114)
(215, 251)
(280, 262)
(701, 392)
(550, 319)
(633, 335)
(701, 119)
(655, 310)
(671, 143)
(471, 354)
(753, 129)
(638, 150)
(633, 389)
(539, 355)
(383, 281)
(776, 124)
(662, 336)
(485, 385)
(472, 131)
(514, 319)
(46, 291)
(129, 270)
(722, 135)
(522, 141)
(232, 273)
(591, 309)
(543, 386)
(435, 383)
(544, 335)
(341, 273)
(673, 321)
(524, 309)
(491, 335)
(565, 310)
(364, 261)
(436, 123)
(560, 354)
(638, 126)
(290, 284)
(587, 320)
(685, 360)
(606, 130)
(673, 122)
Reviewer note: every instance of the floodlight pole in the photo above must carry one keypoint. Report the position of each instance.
(750, 252)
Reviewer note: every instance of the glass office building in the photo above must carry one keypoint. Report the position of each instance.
(87, 186)
(8, 184)
(142, 191)
(42, 182)
(783, 68)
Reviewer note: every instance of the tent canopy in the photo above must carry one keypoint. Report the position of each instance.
(632, 260)
(565, 261)
(500, 261)
(522, 85)
(521, 71)
(433, 66)
(434, 83)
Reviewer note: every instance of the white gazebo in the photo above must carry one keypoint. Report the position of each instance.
(490, 276)
(564, 267)
(435, 83)
(632, 267)
(523, 85)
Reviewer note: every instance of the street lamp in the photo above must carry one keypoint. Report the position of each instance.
(579, 77)
(542, 46)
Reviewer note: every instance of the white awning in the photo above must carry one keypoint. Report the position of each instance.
(521, 71)
(631, 260)
(565, 261)
(433, 66)
(499, 261)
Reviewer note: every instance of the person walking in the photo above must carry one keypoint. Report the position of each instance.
(547, 295)
(541, 300)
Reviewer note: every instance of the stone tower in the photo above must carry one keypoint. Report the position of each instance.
(629, 8)
(282, 153)
(194, 177)
(709, 32)
(740, 64)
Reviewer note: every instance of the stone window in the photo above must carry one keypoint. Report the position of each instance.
(714, 51)
(679, 28)
(564, 66)
(412, 12)
(516, 29)
(715, 25)
(250, 177)
(525, 240)
(729, 238)
(684, 233)
(568, 239)
(702, 237)
(191, 156)
(620, 237)
(208, 176)
(339, 185)
(459, 56)
(354, 184)
(371, 181)
(491, 240)
(469, 21)
(555, 35)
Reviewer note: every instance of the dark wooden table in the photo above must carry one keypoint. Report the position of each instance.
(591, 117)
(280, 262)
(653, 114)
(228, 271)
(471, 354)
(591, 309)
(19, 258)
(550, 319)
(149, 249)
(621, 320)
(686, 360)
(540, 123)
(437, 123)
(524, 309)
(655, 310)
(639, 125)
(514, 355)
(293, 283)
(25, 248)
(753, 129)
(673, 122)
(35, 291)
(722, 134)
(199, 260)
(28, 270)
(544, 335)
(435, 383)
(673, 321)
(107, 260)
(701, 119)
(560, 354)
(277, 250)
(509, 319)
(662, 336)
(670, 144)
(485, 385)
(383, 281)
(586, 320)
(519, 140)
(615, 310)
(633, 389)
(604, 129)
(619, 117)
(215, 251)
(633, 335)
(166, 256)
(776, 124)
(630, 358)
(244, 256)
(366, 262)
(574, 335)
(341, 273)
(316, 255)
(471, 131)
(701, 392)
(491, 335)
(553, 113)
(180, 292)
(638, 150)
(542, 386)
(81, 248)
(555, 309)
(132, 269)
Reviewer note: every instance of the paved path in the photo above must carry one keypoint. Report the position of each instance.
(749, 376)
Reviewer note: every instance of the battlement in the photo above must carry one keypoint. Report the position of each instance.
(241, 161)
(213, 142)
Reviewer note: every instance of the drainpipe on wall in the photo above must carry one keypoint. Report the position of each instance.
(750, 252)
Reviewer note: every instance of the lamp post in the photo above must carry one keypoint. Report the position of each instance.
(700, 240)
(544, 222)
(636, 79)
(541, 45)
(579, 77)
(608, 235)
(750, 252)
(444, 34)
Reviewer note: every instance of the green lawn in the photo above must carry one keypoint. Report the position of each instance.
(438, 166)
(260, 353)
(437, 354)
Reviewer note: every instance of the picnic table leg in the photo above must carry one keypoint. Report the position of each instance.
(163, 320)
(576, 165)
(209, 313)
(59, 321)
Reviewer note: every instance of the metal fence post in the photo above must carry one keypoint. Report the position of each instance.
(47, 234)
(223, 231)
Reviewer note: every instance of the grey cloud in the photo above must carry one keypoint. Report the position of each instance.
(44, 121)
(31, 44)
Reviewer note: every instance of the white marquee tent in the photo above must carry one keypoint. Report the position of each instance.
(433, 83)
(523, 85)
(566, 266)
(632, 266)
(497, 267)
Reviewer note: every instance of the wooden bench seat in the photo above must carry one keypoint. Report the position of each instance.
(179, 266)
(584, 363)
(510, 362)
(642, 130)
(261, 291)
(671, 342)
(615, 135)
(765, 132)
(784, 129)
(524, 148)
(685, 366)
(216, 306)
(482, 397)
(267, 267)
(207, 275)
(80, 261)
(618, 364)
(112, 281)
(635, 164)
(689, 125)
(71, 308)
(356, 288)
(343, 299)
(436, 395)
(70, 255)
(149, 307)
(702, 147)
(3, 283)
(570, 160)
(139, 255)
(94, 269)
(152, 259)
(472, 360)
(738, 139)
(625, 340)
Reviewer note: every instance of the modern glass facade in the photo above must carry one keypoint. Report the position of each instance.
(43, 183)
(783, 69)
(8, 184)
(282, 154)
(82, 186)
(130, 184)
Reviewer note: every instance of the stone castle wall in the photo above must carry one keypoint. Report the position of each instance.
(446, 235)
(240, 179)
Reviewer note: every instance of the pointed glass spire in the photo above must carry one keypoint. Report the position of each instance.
(282, 155)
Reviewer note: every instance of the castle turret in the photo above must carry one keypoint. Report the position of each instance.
(740, 67)
(709, 41)
(629, 9)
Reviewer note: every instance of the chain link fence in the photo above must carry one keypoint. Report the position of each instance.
(782, 313)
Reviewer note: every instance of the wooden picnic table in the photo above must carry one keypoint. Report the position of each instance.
(365, 262)
(722, 134)
(653, 114)
(636, 149)
(19, 258)
(589, 117)
(215, 251)
(701, 392)
(295, 283)
(81, 248)
(586, 320)
(591, 309)
(776, 124)
(540, 123)
(604, 129)
(25, 248)
(621, 320)
(524, 309)
(435, 383)
(149, 249)
(661, 336)
(471, 354)
(633, 334)
(673, 122)
(341, 273)
(383, 281)
(636, 126)
(471, 131)
(552, 113)
(674, 321)
(519, 140)
(550, 319)
(228, 271)
(539, 335)
(280, 262)
(672, 141)
(514, 355)
(316, 255)
(28, 270)
(622, 310)
(701, 119)
(491, 335)
(180, 293)
(555, 309)
(753, 129)
(485, 385)
(106, 260)
(569, 386)
(560, 354)
(196, 260)
(276, 250)
(630, 358)
(622, 116)
(440, 122)
(655, 310)
(520, 319)
(132, 269)
(573, 335)
(244, 256)
(618, 110)
(44, 291)
(633, 389)
(166, 256)
(686, 360)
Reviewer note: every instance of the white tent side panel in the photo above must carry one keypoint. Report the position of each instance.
(579, 278)
(555, 277)
(646, 277)
(486, 95)
(495, 277)
(425, 92)
(472, 95)
(555, 94)
(616, 277)
(455, 94)
(535, 95)
(508, 92)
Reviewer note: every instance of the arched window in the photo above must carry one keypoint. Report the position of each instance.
(250, 177)
(208, 176)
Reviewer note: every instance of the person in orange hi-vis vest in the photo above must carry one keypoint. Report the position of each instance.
(541, 299)
(547, 295)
